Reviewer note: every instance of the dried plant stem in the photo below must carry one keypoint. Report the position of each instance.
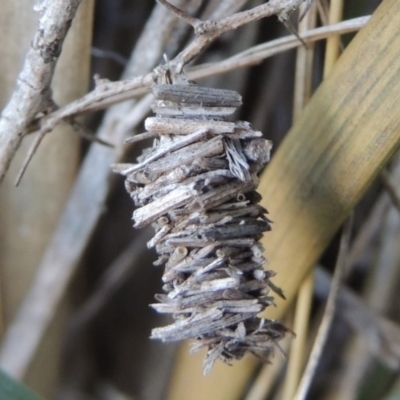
(378, 292)
(369, 229)
(187, 18)
(333, 43)
(108, 93)
(304, 64)
(323, 11)
(208, 31)
(390, 187)
(381, 335)
(302, 93)
(256, 54)
(110, 282)
(266, 378)
(323, 330)
(305, 293)
(33, 88)
(299, 345)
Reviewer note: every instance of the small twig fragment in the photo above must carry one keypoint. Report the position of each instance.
(181, 14)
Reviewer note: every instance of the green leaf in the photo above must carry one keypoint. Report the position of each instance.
(10, 389)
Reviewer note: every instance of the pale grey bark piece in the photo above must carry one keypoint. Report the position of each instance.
(231, 231)
(32, 93)
(239, 306)
(169, 126)
(171, 147)
(149, 213)
(182, 330)
(171, 110)
(193, 94)
(238, 164)
(195, 242)
(186, 155)
(158, 236)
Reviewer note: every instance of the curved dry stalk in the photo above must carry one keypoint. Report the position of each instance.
(390, 187)
(323, 330)
(265, 380)
(306, 290)
(209, 31)
(256, 54)
(381, 335)
(32, 91)
(332, 51)
(379, 291)
(302, 93)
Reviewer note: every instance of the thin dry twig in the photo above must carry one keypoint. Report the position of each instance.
(380, 334)
(333, 43)
(302, 93)
(390, 187)
(32, 92)
(374, 221)
(207, 32)
(323, 330)
(80, 129)
(108, 93)
(110, 282)
(265, 380)
(181, 14)
(379, 291)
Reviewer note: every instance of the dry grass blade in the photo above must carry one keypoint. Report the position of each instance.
(266, 378)
(379, 291)
(329, 312)
(313, 159)
(381, 335)
(306, 290)
(333, 43)
(302, 93)
(256, 54)
(390, 187)
(111, 281)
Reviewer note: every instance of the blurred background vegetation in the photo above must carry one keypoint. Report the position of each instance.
(96, 345)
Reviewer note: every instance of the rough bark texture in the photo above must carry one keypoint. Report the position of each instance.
(32, 90)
